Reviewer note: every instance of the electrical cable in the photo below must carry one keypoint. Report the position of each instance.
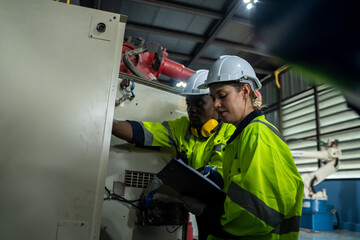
(113, 196)
(107, 190)
(173, 230)
(130, 65)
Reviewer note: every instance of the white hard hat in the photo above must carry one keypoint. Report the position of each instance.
(232, 68)
(193, 83)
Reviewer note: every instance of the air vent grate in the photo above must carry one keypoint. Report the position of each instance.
(138, 179)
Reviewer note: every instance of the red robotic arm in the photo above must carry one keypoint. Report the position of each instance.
(150, 61)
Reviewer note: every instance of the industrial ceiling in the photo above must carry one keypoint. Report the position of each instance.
(194, 32)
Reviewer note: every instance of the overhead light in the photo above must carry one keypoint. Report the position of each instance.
(181, 84)
(251, 3)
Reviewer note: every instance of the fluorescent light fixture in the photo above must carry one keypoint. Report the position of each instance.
(249, 5)
(246, 1)
(181, 84)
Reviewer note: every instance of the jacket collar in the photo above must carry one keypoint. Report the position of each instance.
(244, 123)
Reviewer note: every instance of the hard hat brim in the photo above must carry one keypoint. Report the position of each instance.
(203, 86)
(193, 94)
(255, 85)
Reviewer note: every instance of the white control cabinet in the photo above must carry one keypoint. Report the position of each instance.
(59, 67)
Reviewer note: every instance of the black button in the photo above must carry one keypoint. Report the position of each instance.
(101, 27)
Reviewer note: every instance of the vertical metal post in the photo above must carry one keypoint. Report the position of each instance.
(317, 121)
(280, 110)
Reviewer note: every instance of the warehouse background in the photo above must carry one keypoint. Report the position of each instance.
(196, 32)
(309, 116)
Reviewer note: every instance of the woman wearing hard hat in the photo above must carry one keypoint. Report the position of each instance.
(264, 189)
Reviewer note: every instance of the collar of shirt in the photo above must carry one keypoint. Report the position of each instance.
(244, 123)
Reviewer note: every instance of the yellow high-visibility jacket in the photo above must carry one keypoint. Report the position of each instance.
(263, 186)
(200, 151)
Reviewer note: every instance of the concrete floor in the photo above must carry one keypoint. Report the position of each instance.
(336, 235)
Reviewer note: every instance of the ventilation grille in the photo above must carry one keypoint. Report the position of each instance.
(138, 179)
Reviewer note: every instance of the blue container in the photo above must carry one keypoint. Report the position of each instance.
(317, 216)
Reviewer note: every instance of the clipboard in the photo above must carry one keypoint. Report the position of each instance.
(189, 182)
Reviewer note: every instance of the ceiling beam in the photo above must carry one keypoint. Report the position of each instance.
(192, 10)
(209, 61)
(164, 32)
(234, 8)
(262, 71)
(195, 38)
(241, 48)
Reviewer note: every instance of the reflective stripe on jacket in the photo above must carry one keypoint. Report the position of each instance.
(264, 188)
(176, 134)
